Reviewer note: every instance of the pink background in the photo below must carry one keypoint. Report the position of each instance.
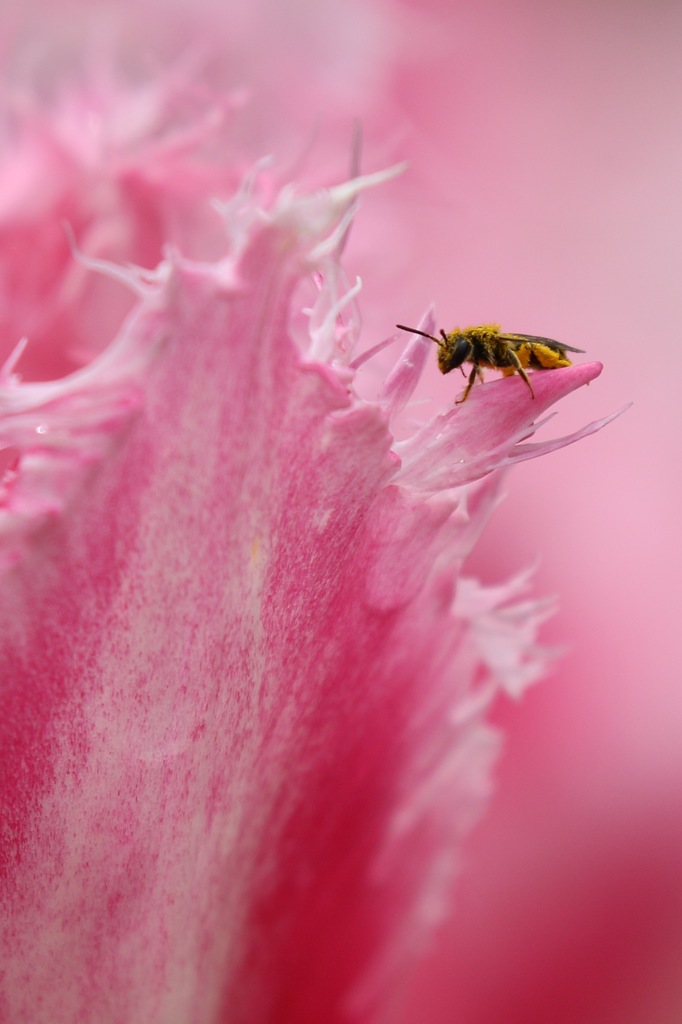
(546, 169)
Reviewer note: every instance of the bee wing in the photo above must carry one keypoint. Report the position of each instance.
(534, 339)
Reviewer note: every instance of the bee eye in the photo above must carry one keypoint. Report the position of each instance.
(461, 350)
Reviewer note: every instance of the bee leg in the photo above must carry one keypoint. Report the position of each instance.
(470, 383)
(520, 370)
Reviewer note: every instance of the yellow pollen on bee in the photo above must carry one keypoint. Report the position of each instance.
(548, 358)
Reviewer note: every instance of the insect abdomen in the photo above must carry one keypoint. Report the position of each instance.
(541, 357)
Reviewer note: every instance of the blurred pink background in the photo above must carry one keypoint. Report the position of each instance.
(546, 158)
(544, 185)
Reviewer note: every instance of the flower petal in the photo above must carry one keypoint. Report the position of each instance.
(243, 696)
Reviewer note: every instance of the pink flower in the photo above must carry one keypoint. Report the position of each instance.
(244, 682)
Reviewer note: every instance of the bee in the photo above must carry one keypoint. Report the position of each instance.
(487, 346)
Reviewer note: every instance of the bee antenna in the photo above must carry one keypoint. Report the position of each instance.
(414, 330)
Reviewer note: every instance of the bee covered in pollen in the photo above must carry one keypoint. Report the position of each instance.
(486, 346)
